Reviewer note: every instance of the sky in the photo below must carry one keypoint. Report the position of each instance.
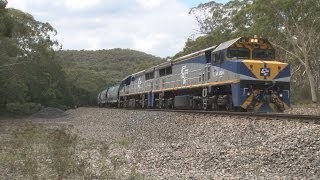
(157, 27)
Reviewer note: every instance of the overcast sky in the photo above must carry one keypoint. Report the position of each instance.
(158, 27)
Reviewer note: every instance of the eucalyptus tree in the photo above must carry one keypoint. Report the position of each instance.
(215, 26)
(28, 72)
(3, 3)
(293, 26)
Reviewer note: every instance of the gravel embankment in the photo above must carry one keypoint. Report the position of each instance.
(305, 109)
(179, 146)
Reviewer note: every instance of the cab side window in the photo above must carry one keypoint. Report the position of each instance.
(222, 56)
(208, 56)
(217, 57)
(165, 71)
(127, 81)
(149, 75)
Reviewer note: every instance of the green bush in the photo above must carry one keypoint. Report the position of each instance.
(23, 108)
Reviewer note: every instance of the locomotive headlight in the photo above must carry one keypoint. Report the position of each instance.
(248, 94)
(281, 95)
(254, 40)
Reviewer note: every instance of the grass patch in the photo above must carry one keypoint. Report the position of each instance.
(134, 175)
(123, 142)
(34, 152)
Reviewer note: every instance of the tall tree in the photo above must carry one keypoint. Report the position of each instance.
(293, 26)
(27, 70)
(214, 21)
(3, 3)
(212, 16)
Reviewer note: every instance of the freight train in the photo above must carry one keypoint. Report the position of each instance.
(238, 75)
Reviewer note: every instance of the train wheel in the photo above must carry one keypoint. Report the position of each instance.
(215, 107)
(205, 104)
(229, 106)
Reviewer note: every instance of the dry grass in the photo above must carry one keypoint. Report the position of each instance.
(37, 151)
(30, 150)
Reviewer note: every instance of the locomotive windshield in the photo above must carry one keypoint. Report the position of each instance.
(242, 53)
(263, 54)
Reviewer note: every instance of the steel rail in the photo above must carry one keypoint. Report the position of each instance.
(281, 116)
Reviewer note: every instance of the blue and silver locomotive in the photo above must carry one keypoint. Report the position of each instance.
(241, 74)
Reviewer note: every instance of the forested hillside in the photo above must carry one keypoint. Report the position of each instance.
(91, 71)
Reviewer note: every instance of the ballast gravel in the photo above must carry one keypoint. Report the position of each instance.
(49, 113)
(313, 109)
(167, 145)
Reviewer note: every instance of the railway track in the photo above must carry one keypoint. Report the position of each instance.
(315, 119)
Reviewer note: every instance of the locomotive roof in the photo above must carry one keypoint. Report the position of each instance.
(188, 56)
(219, 47)
(227, 44)
(194, 54)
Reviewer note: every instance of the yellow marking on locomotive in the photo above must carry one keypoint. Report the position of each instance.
(285, 106)
(247, 102)
(187, 87)
(273, 107)
(200, 85)
(255, 67)
(275, 68)
(258, 106)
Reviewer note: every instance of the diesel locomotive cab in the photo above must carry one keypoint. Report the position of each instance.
(251, 48)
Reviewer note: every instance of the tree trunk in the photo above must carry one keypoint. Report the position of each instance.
(312, 82)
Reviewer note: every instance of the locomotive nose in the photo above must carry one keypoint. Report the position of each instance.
(264, 70)
(266, 85)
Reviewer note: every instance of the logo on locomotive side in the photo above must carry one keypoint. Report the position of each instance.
(265, 72)
(184, 72)
(139, 83)
(217, 73)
